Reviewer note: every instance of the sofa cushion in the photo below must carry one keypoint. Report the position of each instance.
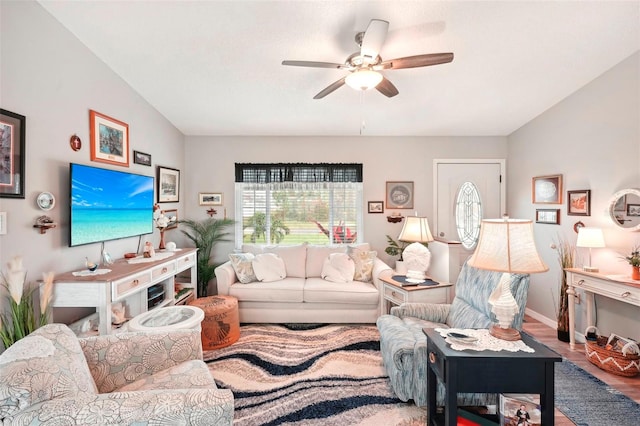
(316, 255)
(364, 261)
(192, 374)
(286, 290)
(338, 268)
(269, 267)
(317, 290)
(242, 264)
(45, 365)
(294, 258)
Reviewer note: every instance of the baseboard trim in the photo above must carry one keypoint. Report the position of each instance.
(550, 322)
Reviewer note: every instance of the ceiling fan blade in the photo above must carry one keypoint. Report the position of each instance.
(314, 64)
(417, 61)
(374, 38)
(330, 88)
(387, 88)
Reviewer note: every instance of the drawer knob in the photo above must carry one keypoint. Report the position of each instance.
(432, 358)
(136, 282)
(581, 282)
(625, 294)
(164, 270)
(394, 294)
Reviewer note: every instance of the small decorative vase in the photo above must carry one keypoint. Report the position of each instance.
(161, 246)
(635, 272)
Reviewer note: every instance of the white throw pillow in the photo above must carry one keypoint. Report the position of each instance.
(269, 267)
(243, 267)
(364, 261)
(338, 268)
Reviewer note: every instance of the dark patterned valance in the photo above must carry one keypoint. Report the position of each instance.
(298, 172)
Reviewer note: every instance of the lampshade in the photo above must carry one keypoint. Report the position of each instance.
(416, 230)
(507, 245)
(590, 237)
(363, 79)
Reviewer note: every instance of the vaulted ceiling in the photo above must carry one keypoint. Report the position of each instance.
(214, 67)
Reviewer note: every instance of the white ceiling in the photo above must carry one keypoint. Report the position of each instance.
(214, 67)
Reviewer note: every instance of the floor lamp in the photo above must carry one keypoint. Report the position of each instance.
(507, 246)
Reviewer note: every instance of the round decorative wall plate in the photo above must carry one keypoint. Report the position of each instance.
(577, 226)
(46, 200)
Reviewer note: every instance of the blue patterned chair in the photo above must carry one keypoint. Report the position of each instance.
(404, 345)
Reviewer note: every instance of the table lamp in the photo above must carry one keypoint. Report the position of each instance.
(592, 238)
(416, 256)
(506, 245)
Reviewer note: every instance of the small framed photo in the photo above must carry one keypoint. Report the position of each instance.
(142, 158)
(109, 139)
(548, 216)
(579, 203)
(210, 198)
(633, 209)
(399, 195)
(172, 215)
(12, 154)
(168, 185)
(547, 189)
(375, 207)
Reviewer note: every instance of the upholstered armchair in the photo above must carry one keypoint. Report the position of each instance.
(156, 378)
(404, 345)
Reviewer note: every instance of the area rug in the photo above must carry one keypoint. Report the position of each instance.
(333, 374)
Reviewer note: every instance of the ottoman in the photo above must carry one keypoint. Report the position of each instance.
(221, 323)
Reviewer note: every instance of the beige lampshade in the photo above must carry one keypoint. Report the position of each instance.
(507, 245)
(416, 230)
(590, 237)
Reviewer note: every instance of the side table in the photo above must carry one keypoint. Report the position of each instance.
(395, 294)
(488, 372)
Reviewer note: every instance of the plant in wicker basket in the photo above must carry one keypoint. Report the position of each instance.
(566, 259)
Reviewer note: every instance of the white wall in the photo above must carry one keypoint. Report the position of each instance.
(47, 75)
(592, 138)
(211, 169)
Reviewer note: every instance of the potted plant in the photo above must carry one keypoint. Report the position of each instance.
(566, 259)
(205, 235)
(634, 260)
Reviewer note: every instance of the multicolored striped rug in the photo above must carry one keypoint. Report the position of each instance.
(319, 376)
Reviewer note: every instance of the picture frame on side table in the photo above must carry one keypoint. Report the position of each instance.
(210, 198)
(375, 207)
(579, 202)
(12, 153)
(168, 187)
(399, 195)
(109, 139)
(548, 216)
(142, 158)
(546, 189)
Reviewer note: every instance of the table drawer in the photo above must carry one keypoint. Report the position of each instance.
(436, 360)
(162, 270)
(186, 262)
(128, 285)
(617, 291)
(395, 295)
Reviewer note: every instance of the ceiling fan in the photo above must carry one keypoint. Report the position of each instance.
(364, 66)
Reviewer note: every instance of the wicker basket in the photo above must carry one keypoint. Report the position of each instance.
(625, 363)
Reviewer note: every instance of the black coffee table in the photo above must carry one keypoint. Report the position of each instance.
(488, 372)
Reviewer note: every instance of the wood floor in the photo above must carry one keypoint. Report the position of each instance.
(630, 386)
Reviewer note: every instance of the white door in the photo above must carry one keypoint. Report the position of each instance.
(487, 176)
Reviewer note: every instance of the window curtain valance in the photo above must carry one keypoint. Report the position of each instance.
(298, 172)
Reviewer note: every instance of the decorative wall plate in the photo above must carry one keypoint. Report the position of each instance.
(46, 201)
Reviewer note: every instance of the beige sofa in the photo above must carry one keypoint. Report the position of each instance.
(303, 296)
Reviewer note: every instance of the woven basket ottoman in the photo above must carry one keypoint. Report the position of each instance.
(221, 323)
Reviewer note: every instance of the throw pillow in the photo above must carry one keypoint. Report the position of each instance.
(269, 267)
(242, 265)
(338, 268)
(363, 261)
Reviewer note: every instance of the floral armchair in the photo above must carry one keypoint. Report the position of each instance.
(404, 345)
(159, 378)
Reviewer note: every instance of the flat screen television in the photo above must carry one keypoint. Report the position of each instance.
(108, 204)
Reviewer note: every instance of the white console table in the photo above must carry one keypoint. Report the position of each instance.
(126, 283)
(618, 287)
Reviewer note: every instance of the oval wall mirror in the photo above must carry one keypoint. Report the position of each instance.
(624, 209)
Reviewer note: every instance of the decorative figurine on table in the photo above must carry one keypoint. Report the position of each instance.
(162, 222)
(91, 266)
(148, 250)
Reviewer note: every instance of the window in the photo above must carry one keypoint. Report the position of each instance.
(294, 203)
(468, 213)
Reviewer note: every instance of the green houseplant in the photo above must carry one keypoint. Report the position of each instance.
(566, 259)
(205, 235)
(395, 248)
(634, 260)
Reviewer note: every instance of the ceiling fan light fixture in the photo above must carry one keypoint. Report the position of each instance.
(363, 79)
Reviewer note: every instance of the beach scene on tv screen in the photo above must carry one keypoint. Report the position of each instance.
(107, 205)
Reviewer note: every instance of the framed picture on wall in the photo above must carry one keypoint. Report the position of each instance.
(210, 198)
(548, 216)
(399, 195)
(547, 189)
(142, 158)
(12, 154)
(579, 203)
(172, 215)
(375, 207)
(109, 139)
(168, 185)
